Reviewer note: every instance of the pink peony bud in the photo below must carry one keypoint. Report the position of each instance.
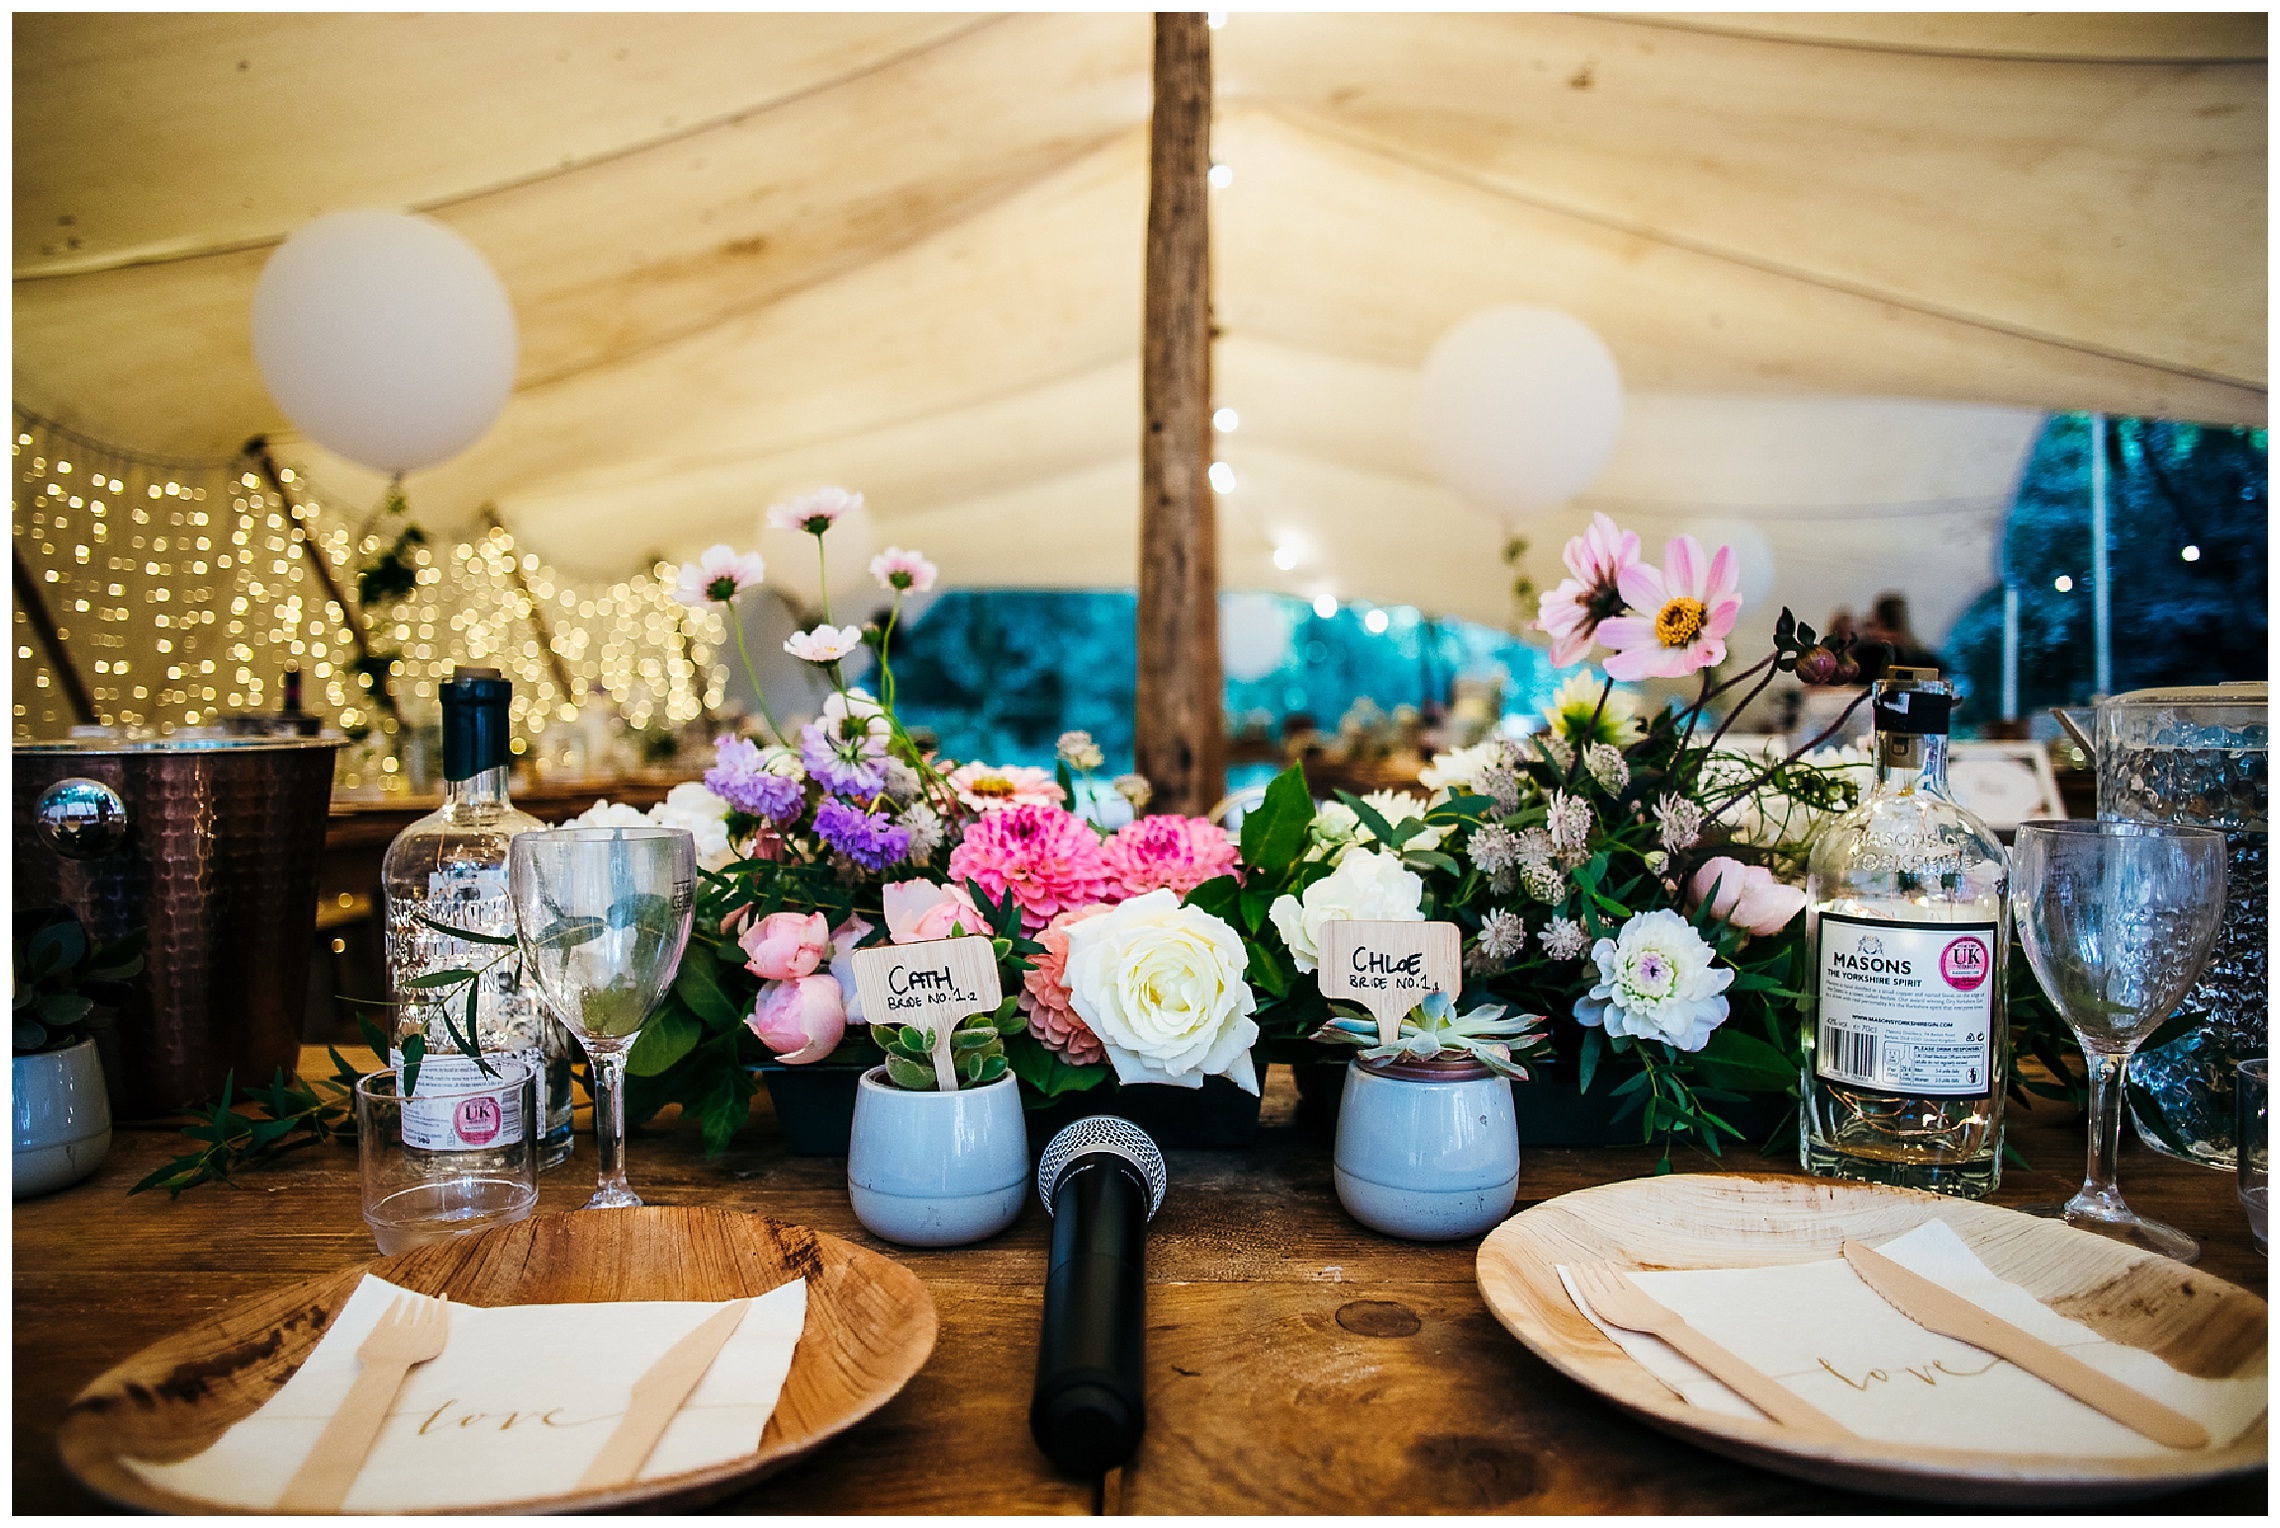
(1746, 896)
(800, 1020)
(782, 946)
(921, 910)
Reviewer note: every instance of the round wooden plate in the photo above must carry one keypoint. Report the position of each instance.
(870, 1326)
(2199, 1324)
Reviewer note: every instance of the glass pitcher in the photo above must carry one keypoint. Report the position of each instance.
(2197, 756)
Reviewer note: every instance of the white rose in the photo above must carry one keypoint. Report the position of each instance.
(1162, 986)
(1366, 886)
(705, 815)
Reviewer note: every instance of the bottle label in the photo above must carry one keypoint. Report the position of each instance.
(432, 1123)
(1907, 1007)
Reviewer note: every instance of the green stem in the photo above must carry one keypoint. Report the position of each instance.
(823, 589)
(751, 673)
(886, 667)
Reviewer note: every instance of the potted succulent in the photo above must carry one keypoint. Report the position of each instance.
(65, 993)
(1428, 1148)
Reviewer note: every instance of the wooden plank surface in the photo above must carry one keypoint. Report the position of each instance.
(1297, 1362)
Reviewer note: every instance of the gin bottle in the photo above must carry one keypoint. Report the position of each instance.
(450, 868)
(1906, 919)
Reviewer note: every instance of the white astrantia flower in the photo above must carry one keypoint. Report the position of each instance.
(1658, 980)
(1367, 886)
(925, 827)
(1681, 821)
(704, 815)
(1568, 820)
(1502, 937)
(825, 644)
(1542, 880)
(1163, 988)
(1494, 848)
(1605, 763)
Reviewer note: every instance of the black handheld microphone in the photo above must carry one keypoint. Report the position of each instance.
(1101, 1180)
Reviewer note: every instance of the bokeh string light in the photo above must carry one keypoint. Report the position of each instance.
(181, 590)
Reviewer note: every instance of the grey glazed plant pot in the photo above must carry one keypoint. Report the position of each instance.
(62, 1118)
(1427, 1151)
(937, 1169)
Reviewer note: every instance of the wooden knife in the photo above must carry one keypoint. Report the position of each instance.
(1951, 1315)
(658, 1397)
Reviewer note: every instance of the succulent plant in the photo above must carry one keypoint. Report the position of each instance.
(65, 989)
(977, 1049)
(1491, 1034)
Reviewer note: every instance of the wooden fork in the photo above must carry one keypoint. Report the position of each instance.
(408, 1334)
(1619, 1302)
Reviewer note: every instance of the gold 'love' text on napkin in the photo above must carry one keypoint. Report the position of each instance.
(1819, 1330)
(515, 1408)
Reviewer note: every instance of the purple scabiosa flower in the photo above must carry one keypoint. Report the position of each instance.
(870, 840)
(847, 766)
(741, 778)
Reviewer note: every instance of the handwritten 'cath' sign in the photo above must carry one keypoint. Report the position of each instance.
(931, 985)
(1389, 968)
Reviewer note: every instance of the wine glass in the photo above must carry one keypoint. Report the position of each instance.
(2117, 919)
(602, 915)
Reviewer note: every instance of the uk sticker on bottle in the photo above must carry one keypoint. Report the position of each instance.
(1907, 1007)
(468, 1122)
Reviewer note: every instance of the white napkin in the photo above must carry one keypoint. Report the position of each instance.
(1817, 1328)
(516, 1406)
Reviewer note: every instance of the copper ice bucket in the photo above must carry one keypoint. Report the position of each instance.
(213, 845)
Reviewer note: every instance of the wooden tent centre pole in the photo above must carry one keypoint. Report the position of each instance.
(1179, 725)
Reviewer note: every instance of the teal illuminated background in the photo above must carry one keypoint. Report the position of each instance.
(999, 674)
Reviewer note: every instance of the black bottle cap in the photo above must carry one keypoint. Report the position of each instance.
(1913, 702)
(474, 721)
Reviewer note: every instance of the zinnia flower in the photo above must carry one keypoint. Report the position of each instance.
(813, 512)
(1169, 853)
(1688, 609)
(1045, 994)
(1049, 860)
(1746, 896)
(992, 787)
(1163, 988)
(1658, 980)
(825, 644)
(741, 776)
(869, 839)
(1573, 613)
(719, 576)
(904, 572)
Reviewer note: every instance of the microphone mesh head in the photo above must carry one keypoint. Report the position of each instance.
(1102, 1133)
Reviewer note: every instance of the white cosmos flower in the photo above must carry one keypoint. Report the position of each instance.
(719, 576)
(813, 512)
(1366, 885)
(825, 644)
(1162, 986)
(1658, 980)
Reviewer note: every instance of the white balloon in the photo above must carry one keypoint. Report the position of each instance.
(849, 546)
(1254, 635)
(384, 337)
(1753, 554)
(1518, 408)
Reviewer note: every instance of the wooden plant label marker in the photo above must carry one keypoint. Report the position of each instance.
(1388, 968)
(930, 985)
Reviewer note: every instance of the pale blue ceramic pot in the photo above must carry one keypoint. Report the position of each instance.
(1427, 1151)
(937, 1169)
(62, 1118)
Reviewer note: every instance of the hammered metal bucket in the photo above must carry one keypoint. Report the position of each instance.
(213, 845)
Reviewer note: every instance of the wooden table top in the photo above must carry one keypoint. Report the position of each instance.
(1296, 1362)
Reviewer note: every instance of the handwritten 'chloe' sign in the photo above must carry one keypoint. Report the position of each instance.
(931, 985)
(1388, 968)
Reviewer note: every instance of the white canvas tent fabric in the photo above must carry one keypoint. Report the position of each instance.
(1844, 263)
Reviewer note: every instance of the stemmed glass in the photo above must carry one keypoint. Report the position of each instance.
(602, 915)
(2117, 919)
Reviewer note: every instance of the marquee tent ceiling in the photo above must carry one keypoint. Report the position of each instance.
(1843, 262)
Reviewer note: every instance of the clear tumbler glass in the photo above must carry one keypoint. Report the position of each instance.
(448, 1164)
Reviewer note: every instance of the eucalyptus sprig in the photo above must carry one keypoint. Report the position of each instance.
(295, 1114)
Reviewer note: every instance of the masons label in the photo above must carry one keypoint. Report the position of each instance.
(1907, 1007)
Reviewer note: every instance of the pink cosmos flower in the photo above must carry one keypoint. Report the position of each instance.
(786, 945)
(908, 572)
(813, 512)
(1045, 994)
(921, 910)
(1178, 853)
(1049, 860)
(800, 1020)
(1746, 896)
(719, 576)
(1572, 613)
(825, 644)
(1687, 607)
(992, 787)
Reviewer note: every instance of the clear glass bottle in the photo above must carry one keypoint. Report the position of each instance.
(451, 866)
(1909, 931)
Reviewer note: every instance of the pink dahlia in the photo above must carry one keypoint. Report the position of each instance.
(1045, 994)
(1687, 607)
(1179, 853)
(1049, 860)
(992, 787)
(1572, 613)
